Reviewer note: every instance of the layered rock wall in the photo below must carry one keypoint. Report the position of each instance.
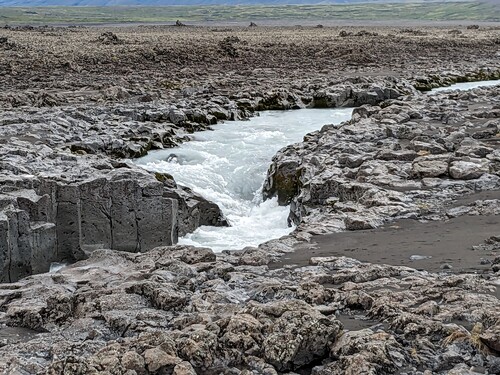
(126, 210)
(64, 222)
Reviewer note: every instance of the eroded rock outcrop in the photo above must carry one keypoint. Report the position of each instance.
(66, 192)
(74, 105)
(185, 310)
(62, 218)
(404, 158)
(59, 202)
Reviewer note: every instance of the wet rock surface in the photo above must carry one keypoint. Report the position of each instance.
(77, 103)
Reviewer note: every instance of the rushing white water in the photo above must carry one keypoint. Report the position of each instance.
(56, 266)
(466, 86)
(228, 166)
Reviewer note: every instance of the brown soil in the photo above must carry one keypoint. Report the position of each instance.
(167, 59)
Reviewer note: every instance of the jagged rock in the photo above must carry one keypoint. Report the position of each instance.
(358, 222)
(109, 37)
(183, 310)
(59, 206)
(370, 169)
(131, 360)
(116, 92)
(156, 359)
(401, 155)
(117, 307)
(355, 96)
(468, 170)
(429, 147)
(491, 338)
(227, 45)
(184, 368)
(64, 219)
(298, 337)
(472, 148)
(282, 181)
(427, 166)
(366, 352)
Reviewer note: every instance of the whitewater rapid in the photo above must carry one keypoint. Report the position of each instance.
(228, 166)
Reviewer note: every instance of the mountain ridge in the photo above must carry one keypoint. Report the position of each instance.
(108, 3)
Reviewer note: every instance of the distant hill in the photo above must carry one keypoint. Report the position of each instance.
(72, 12)
(39, 3)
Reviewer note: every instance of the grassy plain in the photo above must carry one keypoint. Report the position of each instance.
(449, 11)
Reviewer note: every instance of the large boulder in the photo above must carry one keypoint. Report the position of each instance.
(430, 166)
(468, 170)
(491, 337)
(282, 181)
(364, 352)
(297, 335)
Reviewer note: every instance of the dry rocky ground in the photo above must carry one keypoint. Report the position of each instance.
(77, 102)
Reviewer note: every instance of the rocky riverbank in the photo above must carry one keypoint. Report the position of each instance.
(67, 189)
(404, 158)
(78, 103)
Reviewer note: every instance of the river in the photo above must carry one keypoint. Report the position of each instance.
(228, 166)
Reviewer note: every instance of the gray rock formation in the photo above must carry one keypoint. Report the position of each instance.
(63, 193)
(184, 310)
(75, 103)
(404, 158)
(50, 218)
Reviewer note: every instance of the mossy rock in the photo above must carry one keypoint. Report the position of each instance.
(285, 182)
(320, 102)
(164, 177)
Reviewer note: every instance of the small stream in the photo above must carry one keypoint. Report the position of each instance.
(228, 166)
(466, 86)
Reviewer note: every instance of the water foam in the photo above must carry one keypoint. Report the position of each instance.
(228, 166)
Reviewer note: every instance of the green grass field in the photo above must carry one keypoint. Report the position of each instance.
(473, 11)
